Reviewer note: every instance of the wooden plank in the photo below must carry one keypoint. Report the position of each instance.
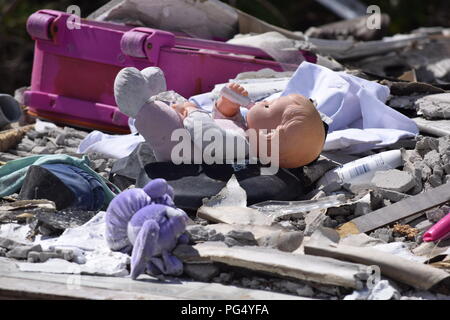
(15, 284)
(307, 268)
(397, 211)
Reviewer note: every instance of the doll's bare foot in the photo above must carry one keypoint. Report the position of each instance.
(227, 107)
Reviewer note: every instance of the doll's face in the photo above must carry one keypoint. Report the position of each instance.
(297, 129)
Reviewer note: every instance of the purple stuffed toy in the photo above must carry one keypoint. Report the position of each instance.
(146, 223)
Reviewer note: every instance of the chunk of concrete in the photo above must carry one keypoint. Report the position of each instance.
(234, 215)
(303, 267)
(432, 158)
(396, 180)
(392, 195)
(435, 106)
(22, 251)
(9, 244)
(201, 271)
(266, 236)
(426, 144)
(244, 238)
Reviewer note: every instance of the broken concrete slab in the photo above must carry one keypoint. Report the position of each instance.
(397, 211)
(436, 106)
(302, 267)
(361, 240)
(396, 180)
(234, 215)
(21, 252)
(201, 271)
(273, 236)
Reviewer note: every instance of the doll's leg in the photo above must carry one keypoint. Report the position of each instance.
(132, 88)
(155, 122)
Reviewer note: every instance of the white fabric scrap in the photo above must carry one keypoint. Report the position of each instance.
(401, 250)
(90, 248)
(112, 146)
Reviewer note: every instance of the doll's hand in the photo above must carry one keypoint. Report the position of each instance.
(229, 108)
(183, 109)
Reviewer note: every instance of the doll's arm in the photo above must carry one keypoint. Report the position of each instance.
(209, 126)
(227, 107)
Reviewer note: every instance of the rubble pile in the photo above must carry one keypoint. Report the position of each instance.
(355, 231)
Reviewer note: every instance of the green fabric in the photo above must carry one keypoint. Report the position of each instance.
(13, 173)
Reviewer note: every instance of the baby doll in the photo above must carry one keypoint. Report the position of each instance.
(293, 121)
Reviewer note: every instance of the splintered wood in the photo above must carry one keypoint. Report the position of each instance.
(10, 138)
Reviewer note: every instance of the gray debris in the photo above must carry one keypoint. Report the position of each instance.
(400, 181)
(9, 244)
(37, 256)
(197, 233)
(436, 106)
(432, 158)
(201, 271)
(21, 252)
(316, 170)
(437, 214)
(384, 234)
(391, 195)
(242, 238)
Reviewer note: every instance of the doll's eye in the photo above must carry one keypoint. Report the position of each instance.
(266, 106)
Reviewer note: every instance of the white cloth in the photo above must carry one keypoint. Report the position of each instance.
(112, 146)
(90, 249)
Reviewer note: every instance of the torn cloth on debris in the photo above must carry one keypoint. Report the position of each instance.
(13, 173)
(90, 248)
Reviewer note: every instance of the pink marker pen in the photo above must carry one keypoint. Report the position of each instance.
(440, 231)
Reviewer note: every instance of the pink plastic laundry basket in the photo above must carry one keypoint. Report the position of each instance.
(74, 68)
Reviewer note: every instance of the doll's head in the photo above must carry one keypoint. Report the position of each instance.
(297, 126)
